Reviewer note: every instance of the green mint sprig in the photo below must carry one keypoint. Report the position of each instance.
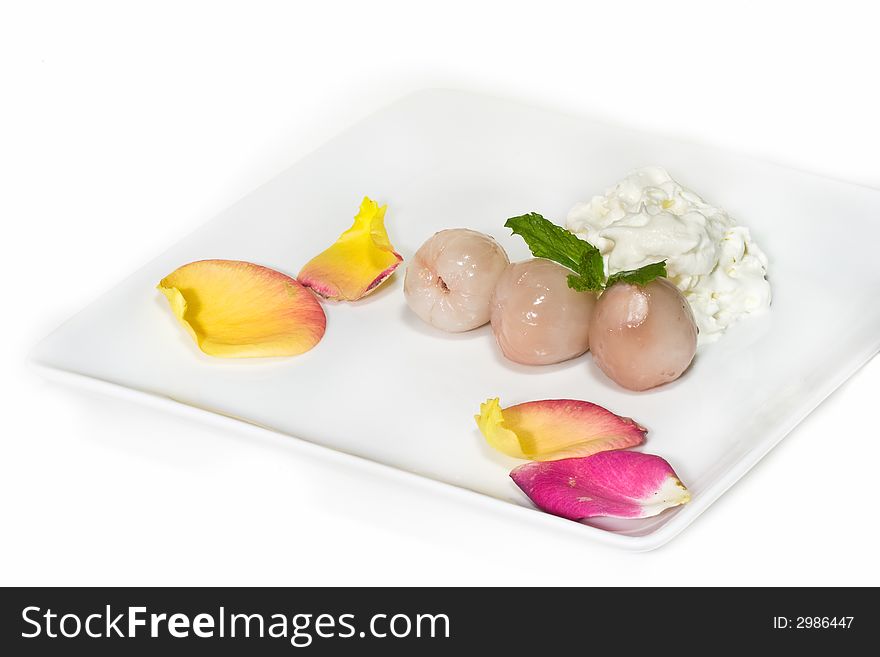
(640, 276)
(547, 240)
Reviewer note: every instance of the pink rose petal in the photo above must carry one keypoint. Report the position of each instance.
(620, 484)
(553, 429)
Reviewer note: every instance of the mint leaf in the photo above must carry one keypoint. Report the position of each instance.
(592, 267)
(640, 276)
(578, 283)
(547, 240)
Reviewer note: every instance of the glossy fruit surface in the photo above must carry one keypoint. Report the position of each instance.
(643, 336)
(536, 317)
(450, 280)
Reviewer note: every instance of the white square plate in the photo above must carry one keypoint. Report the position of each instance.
(384, 386)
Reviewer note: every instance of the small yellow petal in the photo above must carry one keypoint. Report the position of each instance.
(238, 309)
(553, 429)
(491, 424)
(358, 262)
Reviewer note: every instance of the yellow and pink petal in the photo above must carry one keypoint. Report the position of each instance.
(554, 429)
(618, 484)
(237, 309)
(358, 262)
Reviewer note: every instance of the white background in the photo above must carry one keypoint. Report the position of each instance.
(125, 126)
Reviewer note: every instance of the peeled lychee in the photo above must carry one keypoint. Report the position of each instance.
(643, 335)
(536, 317)
(450, 280)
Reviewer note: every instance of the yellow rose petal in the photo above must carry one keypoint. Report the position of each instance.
(553, 429)
(491, 424)
(238, 309)
(358, 261)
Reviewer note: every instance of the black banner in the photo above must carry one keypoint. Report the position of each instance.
(114, 621)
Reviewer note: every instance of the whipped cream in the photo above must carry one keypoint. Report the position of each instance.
(648, 217)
